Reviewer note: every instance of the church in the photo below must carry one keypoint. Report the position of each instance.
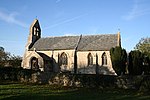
(84, 54)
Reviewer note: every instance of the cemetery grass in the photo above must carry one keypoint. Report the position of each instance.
(19, 91)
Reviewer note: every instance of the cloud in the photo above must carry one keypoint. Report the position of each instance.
(11, 18)
(57, 1)
(139, 9)
(65, 21)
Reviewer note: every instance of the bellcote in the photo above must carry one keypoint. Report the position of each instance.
(34, 33)
(35, 29)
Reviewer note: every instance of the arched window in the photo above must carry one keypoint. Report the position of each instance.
(34, 63)
(104, 59)
(90, 59)
(63, 59)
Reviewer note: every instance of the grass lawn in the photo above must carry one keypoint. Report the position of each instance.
(16, 91)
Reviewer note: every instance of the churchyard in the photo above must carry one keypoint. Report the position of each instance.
(19, 91)
(20, 84)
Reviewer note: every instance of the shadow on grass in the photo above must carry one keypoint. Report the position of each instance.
(47, 92)
(82, 94)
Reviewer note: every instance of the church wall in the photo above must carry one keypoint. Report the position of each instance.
(82, 57)
(82, 60)
(56, 53)
(26, 63)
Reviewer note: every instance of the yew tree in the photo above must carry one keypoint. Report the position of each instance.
(119, 59)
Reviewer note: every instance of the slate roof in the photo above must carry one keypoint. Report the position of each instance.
(98, 42)
(56, 43)
(86, 43)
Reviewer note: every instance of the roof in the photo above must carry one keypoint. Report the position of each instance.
(56, 43)
(83, 43)
(98, 42)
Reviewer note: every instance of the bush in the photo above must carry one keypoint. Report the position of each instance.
(9, 73)
(15, 74)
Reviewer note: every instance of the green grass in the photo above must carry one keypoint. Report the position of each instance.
(46, 92)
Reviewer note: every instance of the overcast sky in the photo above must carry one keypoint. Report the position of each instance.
(73, 17)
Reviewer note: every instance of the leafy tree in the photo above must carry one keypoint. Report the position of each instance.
(9, 60)
(4, 56)
(144, 46)
(119, 59)
(135, 63)
(15, 61)
(1, 49)
(146, 65)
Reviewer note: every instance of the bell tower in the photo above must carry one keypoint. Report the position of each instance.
(34, 35)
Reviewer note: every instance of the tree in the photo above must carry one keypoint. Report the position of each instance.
(1, 49)
(15, 61)
(4, 56)
(119, 59)
(135, 63)
(6, 59)
(144, 46)
(146, 65)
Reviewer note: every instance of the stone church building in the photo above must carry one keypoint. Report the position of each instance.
(84, 54)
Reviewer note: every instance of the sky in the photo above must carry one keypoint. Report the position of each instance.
(73, 17)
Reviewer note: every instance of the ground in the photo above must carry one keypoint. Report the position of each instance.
(18, 91)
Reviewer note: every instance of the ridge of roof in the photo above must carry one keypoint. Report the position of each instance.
(80, 35)
(60, 36)
(99, 34)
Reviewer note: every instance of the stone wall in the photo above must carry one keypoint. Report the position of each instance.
(92, 80)
(141, 83)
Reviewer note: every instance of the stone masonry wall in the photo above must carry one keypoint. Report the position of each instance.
(141, 82)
